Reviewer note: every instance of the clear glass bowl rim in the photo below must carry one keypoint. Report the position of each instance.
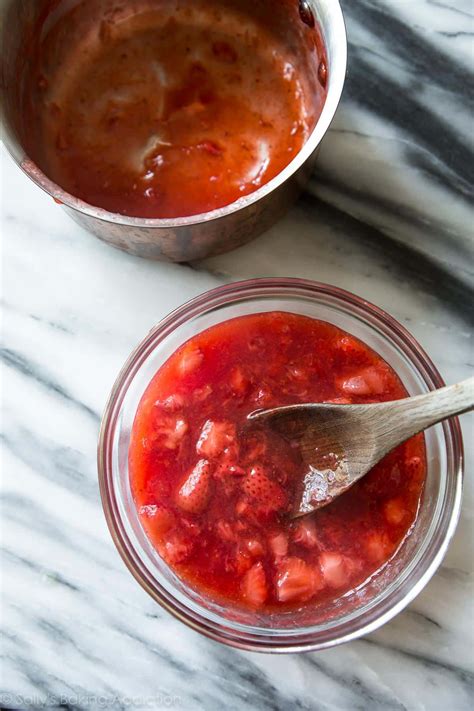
(274, 287)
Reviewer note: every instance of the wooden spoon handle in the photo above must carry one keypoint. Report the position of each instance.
(415, 414)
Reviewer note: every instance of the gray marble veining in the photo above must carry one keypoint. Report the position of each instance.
(388, 215)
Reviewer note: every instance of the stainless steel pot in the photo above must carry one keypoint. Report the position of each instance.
(186, 238)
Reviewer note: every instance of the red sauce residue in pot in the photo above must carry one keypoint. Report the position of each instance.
(170, 109)
(214, 494)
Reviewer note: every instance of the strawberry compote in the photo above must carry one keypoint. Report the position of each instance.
(214, 492)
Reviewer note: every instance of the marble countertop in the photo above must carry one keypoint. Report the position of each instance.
(387, 215)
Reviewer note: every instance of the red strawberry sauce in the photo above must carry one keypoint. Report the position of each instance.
(162, 109)
(214, 493)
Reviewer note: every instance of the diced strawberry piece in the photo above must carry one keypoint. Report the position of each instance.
(191, 359)
(172, 403)
(238, 382)
(241, 507)
(171, 430)
(350, 347)
(376, 377)
(357, 385)
(176, 549)
(257, 482)
(297, 580)
(216, 439)
(161, 518)
(369, 381)
(148, 510)
(225, 532)
(278, 545)
(254, 586)
(201, 394)
(254, 547)
(377, 547)
(304, 533)
(266, 493)
(394, 511)
(181, 427)
(334, 569)
(176, 436)
(195, 493)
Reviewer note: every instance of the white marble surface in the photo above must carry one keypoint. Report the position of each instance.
(387, 216)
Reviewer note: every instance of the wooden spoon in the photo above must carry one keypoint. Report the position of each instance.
(339, 444)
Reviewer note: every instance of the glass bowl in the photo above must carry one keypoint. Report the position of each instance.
(391, 588)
